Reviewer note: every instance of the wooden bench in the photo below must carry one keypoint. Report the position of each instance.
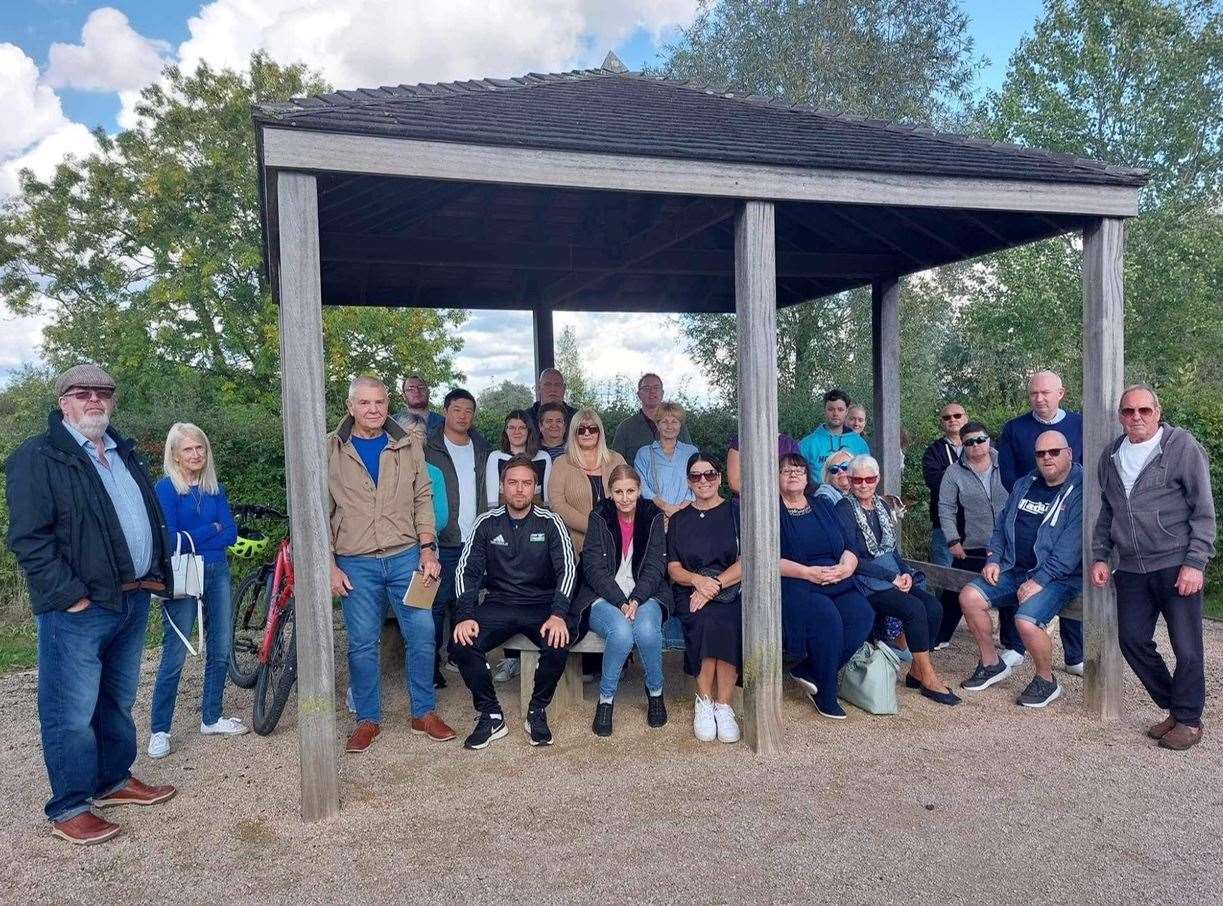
(949, 578)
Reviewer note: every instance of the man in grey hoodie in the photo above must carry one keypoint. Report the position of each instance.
(1157, 518)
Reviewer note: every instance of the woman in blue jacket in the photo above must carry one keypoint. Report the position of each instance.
(197, 512)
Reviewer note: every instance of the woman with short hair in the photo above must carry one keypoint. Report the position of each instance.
(891, 585)
(624, 584)
(661, 464)
(835, 485)
(580, 475)
(517, 436)
(198, 516)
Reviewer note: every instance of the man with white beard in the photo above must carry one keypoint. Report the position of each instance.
(86, 528)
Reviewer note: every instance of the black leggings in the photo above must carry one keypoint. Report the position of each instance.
(918, 611)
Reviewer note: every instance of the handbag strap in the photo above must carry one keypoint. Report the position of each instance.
(199, 622)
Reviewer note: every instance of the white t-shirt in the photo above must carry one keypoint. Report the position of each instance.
(464, 459)
(492, 475)
(1132, 457)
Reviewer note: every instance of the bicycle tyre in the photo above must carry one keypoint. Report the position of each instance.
(250, 618)
(278, 677)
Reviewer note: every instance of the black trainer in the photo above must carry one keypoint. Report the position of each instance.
(656, 711)
(1039, 693)
(603, 719)
(488, 728)
(984, 677)
(537, 727)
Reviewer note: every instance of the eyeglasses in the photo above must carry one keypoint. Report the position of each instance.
(707, 475)
(85, 393)
(1131, 411)
(587, 429)
(864, 479)
(838, 468)
(977, 439)
(794, 472)
(1051, 453)
(951, 416)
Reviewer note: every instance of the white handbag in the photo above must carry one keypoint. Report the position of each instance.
(188, 569)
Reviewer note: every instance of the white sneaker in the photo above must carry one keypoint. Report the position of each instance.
(1010, 657)
(1077, 669)
(159, 745)
(348, 701)
(728, 727)
(703, 724)
(509, 668)
(225, 726)
(941, 645)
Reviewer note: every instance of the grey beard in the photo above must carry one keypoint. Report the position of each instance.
(92, 425)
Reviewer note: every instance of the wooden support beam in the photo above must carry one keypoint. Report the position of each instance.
(981, 224)
(303, 410)
(932, 235)
(1103, 381)
(756, 316)
(856, 223)
(885, 365)
(545, 345)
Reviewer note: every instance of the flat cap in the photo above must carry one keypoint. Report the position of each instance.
(87, 375)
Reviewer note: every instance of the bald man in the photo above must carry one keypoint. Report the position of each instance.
(1035, 565)
(1015, 445)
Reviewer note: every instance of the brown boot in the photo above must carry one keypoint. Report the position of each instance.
(433, 726)
(1181, 737)
(1160, 730)
(362, 736)
(135, 793)
(85, 829)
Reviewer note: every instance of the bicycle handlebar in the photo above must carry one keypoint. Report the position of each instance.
(254, 511)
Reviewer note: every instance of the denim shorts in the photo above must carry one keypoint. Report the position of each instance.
(1040, 608)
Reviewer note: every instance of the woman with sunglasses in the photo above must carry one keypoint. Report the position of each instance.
(824, 618)
(836, 477)
(887, 580)
(517, 437)
(581, 474)
(705, 570)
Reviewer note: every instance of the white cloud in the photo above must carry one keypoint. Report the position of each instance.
(42, 158)
(29, 110)
(112, 56)
(19, 340)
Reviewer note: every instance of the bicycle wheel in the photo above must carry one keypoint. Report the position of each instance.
(277, 678)
(250, 621)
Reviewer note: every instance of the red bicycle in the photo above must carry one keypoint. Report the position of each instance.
(264, 653)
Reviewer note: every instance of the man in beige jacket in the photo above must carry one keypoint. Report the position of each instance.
(382, 532)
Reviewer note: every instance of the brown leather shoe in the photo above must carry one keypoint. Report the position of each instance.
(433, 726)
(362, 736)
(136, 793)
(1160, 730)
(1181, 737)
(85, 829)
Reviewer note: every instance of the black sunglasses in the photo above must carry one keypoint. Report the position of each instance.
(973, 441)
(707, 475)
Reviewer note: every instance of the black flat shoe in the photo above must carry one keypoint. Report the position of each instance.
(912, 682)
(943, 698)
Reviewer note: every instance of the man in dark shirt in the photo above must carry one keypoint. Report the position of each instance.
(934, 462)
(521, 555)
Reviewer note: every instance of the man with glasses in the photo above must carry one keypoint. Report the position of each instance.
(1035, 564)
(86, 528)
(417, 411)
(641, 428)
(832, 435)
(1157, 519)
(934, 462)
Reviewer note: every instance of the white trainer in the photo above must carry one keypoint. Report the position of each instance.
(1010, 657)
(1077, 669)
(348, 701)
(703, 724)
(159, 745)
(225, 726)
(509, 668)
(728, 727)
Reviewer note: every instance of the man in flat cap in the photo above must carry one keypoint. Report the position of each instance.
(89, 535)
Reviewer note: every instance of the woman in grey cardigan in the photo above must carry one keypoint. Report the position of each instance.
(969, 500)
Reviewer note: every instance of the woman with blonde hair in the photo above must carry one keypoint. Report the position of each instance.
(580, 476)
(197, 517)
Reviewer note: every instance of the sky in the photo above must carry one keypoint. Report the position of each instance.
(69, 66)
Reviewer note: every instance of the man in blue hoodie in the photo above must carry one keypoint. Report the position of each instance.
(1035, 564)
(832, 435)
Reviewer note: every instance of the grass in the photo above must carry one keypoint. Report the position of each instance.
(19, 642)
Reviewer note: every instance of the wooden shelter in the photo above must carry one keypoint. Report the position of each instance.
(608, 190)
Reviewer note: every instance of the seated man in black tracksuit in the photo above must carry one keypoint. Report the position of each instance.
(522, 556)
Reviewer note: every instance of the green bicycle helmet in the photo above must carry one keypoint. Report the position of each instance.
(251, 543)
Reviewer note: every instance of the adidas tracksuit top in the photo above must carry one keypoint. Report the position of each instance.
(526, 563)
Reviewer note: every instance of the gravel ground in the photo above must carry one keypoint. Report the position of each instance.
(986, 802)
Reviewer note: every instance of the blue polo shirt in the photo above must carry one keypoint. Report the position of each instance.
(662, 475)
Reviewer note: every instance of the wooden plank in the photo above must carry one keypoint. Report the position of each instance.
(310, 150)
(545, 346)
(885, 365)
(1103, 381)
(303, 409)
(756, 317)
(949, 578)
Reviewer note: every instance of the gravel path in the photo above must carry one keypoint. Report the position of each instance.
(986, 802)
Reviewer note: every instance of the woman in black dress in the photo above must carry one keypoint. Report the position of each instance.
(703, 563)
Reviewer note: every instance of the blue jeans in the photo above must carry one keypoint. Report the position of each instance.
(88, 671)
(219, 629)
(379, 583)
(609, 623)
(940, 553)
(1041, 608)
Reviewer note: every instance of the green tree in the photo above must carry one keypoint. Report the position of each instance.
(505, 397)
(569, 363)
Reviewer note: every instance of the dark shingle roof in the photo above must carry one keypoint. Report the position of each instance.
(599, 110)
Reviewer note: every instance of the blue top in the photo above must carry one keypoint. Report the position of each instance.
(441, 506)
(822, 443)
(370, 449)
(1017, 443)
(1058, 547)
(665, 476)
(127, 498)
(1032, 509)
(198, 515)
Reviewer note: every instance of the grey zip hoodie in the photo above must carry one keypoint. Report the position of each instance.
(962, 498)
(1168, 519)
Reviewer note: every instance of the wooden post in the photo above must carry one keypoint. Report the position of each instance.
(756, 314)
(885, 366)
(545, 346)
(303, 408)
(1103, 380)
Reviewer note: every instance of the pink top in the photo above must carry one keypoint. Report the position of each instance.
(626, 533)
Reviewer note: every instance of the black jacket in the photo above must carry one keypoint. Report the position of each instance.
(523, 563)
(63, 528)
(602, 552)
(934, 462)
(436, 454)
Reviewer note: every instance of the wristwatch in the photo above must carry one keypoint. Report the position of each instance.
(429, 546)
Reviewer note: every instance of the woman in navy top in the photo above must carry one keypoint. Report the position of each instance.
(824, 618)
(196, 510)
